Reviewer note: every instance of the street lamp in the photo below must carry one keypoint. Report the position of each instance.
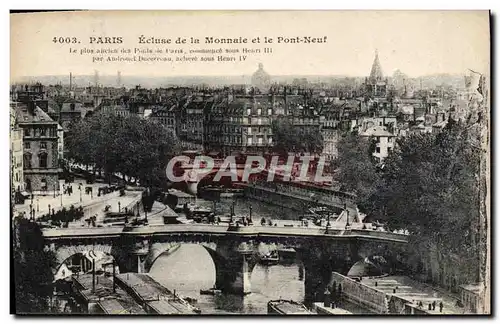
(62, 194)
(54, 191)
(37, 204)
(80, 188)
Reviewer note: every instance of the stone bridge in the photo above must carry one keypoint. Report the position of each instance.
(234, 250)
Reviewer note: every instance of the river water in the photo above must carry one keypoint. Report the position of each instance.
(191, 268)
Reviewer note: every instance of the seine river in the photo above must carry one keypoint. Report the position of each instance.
(191, 268)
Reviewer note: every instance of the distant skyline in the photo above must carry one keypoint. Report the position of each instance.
(418, 43)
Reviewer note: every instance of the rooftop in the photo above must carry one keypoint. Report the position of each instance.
(379, 131)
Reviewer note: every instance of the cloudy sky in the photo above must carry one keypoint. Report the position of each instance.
(416, 42)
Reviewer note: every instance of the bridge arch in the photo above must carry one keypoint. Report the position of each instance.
(158, 249)
(65, 253)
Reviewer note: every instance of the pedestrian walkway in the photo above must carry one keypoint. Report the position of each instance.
(416, 293)
(41, 204)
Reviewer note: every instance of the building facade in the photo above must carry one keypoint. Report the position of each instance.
(40, 149)
(384, 141)
(16, 152)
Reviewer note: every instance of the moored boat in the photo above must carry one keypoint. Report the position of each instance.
(287, 307)
(211, 291)
(270, 258)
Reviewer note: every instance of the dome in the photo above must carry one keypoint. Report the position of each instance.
(261, 79)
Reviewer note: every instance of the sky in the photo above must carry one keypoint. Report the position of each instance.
(415, 42)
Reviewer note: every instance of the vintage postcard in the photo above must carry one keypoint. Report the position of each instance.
(314, 163)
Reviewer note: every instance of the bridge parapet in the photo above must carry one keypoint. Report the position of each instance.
(234, 251)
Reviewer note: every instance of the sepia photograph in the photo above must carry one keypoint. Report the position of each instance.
(308, 163)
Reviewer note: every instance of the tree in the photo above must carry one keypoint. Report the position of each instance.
(132, 146)
(429, 187)
(32, 268)
(357, 170)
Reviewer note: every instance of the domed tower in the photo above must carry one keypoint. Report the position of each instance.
(261, 79)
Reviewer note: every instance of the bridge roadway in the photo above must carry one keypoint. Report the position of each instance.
(234, 250)
(222, 230)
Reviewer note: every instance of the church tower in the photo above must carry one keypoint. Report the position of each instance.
(376, 85)
(376, 72)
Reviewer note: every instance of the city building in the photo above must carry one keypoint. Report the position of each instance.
(165, 115)
(71, 111)
(376, 90)
(40, 154)
(384, 141)
(16, 152)
(60, 142)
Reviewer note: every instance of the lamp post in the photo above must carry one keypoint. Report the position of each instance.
(119, 207)
(61, 193)
(250, 216)
(80, 188)
(37, 204)
(54, 191)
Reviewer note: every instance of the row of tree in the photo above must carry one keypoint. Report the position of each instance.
(429, 185)
(134, 147)
(63, 216)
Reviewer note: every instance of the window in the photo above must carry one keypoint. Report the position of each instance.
(249, 140)
(249, 130)
(44, 184)
(259, 111)
(377, 149)
(43, 145)
(27, 160)
(27, 145)
(270, 140)
(43, 160)
(269, 111)
(27, 132)
(249, 111)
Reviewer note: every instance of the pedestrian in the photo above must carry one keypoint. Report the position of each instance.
(430, 306)
(441, 306)
(434, 305)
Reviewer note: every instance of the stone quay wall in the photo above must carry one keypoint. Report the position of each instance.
(359, 293)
